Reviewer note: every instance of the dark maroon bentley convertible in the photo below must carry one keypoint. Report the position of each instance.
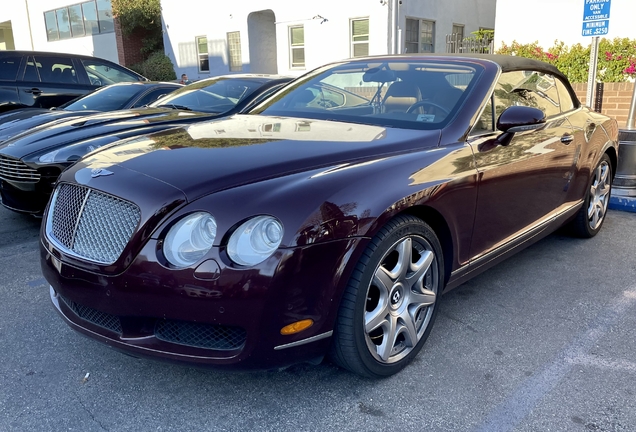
(329, 220)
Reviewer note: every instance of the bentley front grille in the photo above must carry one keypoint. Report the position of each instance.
(16, 170)
(199, 335)
(91, 224)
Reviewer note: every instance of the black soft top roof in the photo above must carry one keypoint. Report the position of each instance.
(507, 63)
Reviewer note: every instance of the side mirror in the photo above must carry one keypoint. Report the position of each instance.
(520, 118)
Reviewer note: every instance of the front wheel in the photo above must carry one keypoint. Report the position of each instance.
(390, 303)
(590, 218)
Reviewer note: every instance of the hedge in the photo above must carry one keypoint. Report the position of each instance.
(616, 60)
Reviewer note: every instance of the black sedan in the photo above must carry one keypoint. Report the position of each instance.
(31, 162)
(108, 98)
(331, 219)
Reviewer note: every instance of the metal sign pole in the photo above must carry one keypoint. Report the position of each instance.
(591, 78)
(631, 117)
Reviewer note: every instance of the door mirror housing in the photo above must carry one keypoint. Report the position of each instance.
(520, 118)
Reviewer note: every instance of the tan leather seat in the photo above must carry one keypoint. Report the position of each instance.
(400, 96)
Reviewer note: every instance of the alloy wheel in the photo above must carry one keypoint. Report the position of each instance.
(400, 299)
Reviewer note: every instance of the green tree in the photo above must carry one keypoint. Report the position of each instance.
(134, 15)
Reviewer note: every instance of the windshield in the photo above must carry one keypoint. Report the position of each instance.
(211, 96)
(108, 98)
(412, 94)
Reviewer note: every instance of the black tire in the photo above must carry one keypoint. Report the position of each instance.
(404, 312)
(585, 225)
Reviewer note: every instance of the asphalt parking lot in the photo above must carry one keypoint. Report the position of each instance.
(545, 341)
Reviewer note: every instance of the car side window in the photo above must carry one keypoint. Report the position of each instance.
(9, 67)
(101, 73)
(31, 71)
(57, 70)
(565, 97)
(486, 122)
(527, 88)
(152, 96)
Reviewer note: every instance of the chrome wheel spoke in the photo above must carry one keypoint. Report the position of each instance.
(377, 317)
(425, 298)
(383, 280)
(388, 339)
(419, 269)
(408, 328)
(403, 264)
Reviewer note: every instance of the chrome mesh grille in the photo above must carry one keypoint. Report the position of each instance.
(16, 170)
(91, 224)
(101, 319)
(200, 335)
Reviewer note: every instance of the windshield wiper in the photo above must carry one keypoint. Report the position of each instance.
(173, 106)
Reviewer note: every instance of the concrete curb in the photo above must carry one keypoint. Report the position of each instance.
(623, 203)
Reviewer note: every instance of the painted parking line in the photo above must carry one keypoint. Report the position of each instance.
(512, 411)
(595, 361)
(37, 283)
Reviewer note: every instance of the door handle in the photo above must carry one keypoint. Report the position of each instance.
(567, 139)
(34, 91)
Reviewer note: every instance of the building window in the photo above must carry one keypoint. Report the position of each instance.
(360, 37)
(297, 46)
(458, 30)
(234, 47)
(89, 10)
(78, 20)
(202, 54)
(420, 36)
(52, 33)
(105, 16)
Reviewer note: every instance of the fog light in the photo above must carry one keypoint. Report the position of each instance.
(296, 327)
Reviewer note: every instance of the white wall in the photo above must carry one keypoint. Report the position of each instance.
(324, 42)
(17, 15)
(100, 45)
(472, 14)
(545, 21)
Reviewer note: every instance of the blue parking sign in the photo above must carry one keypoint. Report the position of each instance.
(596, 14)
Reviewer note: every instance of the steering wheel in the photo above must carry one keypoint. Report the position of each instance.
(96, 82)
(325, 103)
(427, 103)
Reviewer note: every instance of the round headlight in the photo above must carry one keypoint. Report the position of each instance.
(190, 239)
(255, 240)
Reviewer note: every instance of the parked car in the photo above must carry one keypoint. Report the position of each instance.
(108, 98)
(47, 80)
(31, 162)
(325, 222)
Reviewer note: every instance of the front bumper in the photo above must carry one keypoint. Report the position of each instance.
(31, 199)
(228, 316)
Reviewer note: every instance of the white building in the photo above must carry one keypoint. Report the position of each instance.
(545, 21)
(69, 26)
(205, 38)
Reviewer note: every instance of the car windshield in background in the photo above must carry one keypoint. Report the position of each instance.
(412, 94)
(212, 96)
(105, 99)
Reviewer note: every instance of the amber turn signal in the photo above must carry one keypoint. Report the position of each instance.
(296, 327)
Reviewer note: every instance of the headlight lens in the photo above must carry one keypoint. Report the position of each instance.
(255, 240)
(190, 239)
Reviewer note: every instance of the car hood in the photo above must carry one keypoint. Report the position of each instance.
(14, 123)
(206, 157)
(76, 129)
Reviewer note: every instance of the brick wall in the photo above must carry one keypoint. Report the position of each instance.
(129, 46)
(615, 102)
